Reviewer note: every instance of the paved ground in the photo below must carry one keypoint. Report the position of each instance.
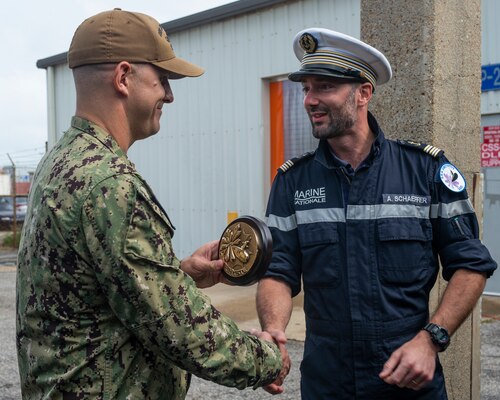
(241, 308)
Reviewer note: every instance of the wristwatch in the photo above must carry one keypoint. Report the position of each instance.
(439, 335)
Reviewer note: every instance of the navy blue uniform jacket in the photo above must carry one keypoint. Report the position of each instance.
(367, 264)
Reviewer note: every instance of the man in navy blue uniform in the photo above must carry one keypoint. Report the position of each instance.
(361, 224)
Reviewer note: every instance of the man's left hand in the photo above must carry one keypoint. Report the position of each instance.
(413, 364)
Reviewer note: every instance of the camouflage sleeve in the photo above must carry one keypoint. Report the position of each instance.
(129, 237)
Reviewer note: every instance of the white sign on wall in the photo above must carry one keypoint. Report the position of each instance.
(490, 148)
(5, 184)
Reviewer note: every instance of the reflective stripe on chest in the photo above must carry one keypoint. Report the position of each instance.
(369, 212)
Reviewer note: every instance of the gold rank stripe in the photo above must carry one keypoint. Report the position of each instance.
(340, 60)
(286, 165)
(341, 56)
(433, 151)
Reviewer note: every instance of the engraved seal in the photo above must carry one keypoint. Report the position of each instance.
(245, 247)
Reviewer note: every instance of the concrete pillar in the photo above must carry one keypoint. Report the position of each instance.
(434, 47)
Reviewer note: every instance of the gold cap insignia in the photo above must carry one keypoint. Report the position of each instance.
(308, 43)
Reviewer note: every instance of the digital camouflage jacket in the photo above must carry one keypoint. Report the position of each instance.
(103, 308)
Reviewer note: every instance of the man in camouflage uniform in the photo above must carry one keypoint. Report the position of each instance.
(105, 310)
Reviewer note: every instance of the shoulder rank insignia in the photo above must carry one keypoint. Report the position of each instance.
(426, 148)
(291, 162)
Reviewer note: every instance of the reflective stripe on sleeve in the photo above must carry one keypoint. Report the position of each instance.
(449, 210)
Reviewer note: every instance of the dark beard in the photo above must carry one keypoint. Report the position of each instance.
(341, 119)
(336, 128)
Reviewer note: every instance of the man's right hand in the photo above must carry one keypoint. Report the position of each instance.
(204, 265)
(280, 340)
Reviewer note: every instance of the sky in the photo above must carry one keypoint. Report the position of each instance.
(32, 30)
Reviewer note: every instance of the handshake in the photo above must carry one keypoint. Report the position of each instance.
(279, 338)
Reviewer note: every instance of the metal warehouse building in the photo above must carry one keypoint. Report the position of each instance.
(227, 131)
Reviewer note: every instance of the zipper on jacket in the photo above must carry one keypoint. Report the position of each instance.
(457, 223)
(346, 188)
(345, 174)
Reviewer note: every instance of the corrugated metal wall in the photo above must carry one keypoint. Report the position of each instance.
(64, 99)
(212, 153)
(490, 50)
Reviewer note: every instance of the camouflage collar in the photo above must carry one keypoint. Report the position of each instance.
(97, 132)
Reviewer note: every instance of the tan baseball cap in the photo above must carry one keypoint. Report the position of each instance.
(117, 35)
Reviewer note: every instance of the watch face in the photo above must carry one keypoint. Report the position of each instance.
(439, 335)
(442, 336)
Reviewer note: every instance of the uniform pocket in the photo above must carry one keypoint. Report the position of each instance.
(319, 245)
(149, 234)
(405, 249)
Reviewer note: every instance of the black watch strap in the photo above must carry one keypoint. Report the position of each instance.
(439, 335)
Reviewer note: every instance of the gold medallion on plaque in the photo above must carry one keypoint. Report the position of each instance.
(245, 247)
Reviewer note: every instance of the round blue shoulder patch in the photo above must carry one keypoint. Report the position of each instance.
(452, 178)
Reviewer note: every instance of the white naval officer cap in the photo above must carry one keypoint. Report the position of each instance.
(327, 53)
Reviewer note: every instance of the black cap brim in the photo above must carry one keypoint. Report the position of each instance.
(323, 72)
